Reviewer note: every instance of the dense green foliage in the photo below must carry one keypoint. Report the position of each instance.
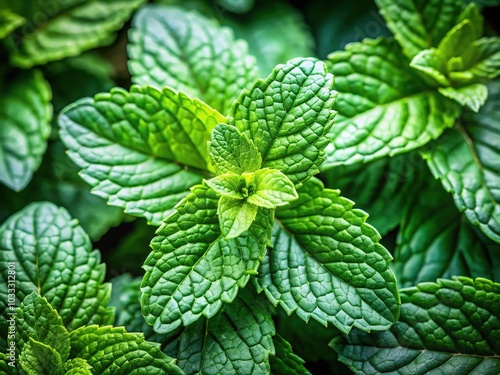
(266, 197)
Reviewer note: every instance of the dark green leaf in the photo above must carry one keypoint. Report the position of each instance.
(38, 358)
(285, 362)
(9, 21)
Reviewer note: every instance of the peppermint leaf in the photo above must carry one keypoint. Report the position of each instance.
(235, 215)
(326, 264)
(285, 362)
(230, 185)
(38, 358)
(184, 50)
(272, 189)
(473, 96)
(130, 146)
(287, 116)
(76, 366)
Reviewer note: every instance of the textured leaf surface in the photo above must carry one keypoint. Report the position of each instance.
(385, 109)
(272, 42)
(238, 340)
(69, 29)
(38, 320)
(9, 21)
(288, 116)
(112, 350)
(448, 327)
(380, 188)
(436, 241)
(272, 189)
(472, 96)
(467, 165)
(53, 257)
(38, 358)
(128, 143)
(232, 152)
(25, 114)
(192, 269)
(184, 50)
(419, 24)
(326, 263)
(285, 362)
(482, 58)
(235, 216)
(76, 366)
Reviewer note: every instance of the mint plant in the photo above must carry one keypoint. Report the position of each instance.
(219, 162)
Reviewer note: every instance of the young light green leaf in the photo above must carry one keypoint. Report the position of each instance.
(386, 109)
(482, 59)
(38, 320)
(230, 185)
(272, 42)
(25, 114)
(9, 21)
(473, 96)
(76, 366)
(288, 116)
(69, 30)
(38, 358)
(235, 215)
(172, 47)
(419, 24)
(232, 152)
(272, 189)
(433, 63)
(448, 327)
(285, 362)
(456, 41)
(114, 351)
(467, 165)
(135, 147)
(52, 256)
(380, 188)
(435, 241)
(238, 340)
(192, 269)
(326, 264)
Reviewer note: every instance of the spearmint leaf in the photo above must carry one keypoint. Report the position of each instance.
(9, 21)
(229, 185)
(192, 269)
(8, 365)
(285, 362)
(112, 350)
(458, 39)
(272, 189)
(38, 320)
(76, 366)
(235, 215)
(288, 116)
(432, 62)
(419, 24)
(448, 327)
(52, 256)
(38, 358)
(70, 29)
(25, 114)
(131, 146)
(236, 6)
(238, 340)
(232, 152)
(272, 42)
(473, 96)
(482, 59)
(184, 50)
(326, 264)
(466, 163)
(435, 241)
(386, 109)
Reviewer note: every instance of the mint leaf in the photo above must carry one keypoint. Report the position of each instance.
(69, 30)
(466, 165)
(482, 59)
(473, 96)
(435, 241)
(130, 146)
(52, 256)
(25, 114)
(285, 362)
(418, 25)
(272, 42)
(326, 263)
(236, 6)
(230, 185)
(184, 50)
(458, 39)
(37, 358)
(9, 21)
(235, 215)
(38, 320)
(272, 188)
(386, 109)
(76, 366)
(448, 327)
(112, 350)
(238, 340)
(288, 116)
(192, 269)
(232, 152)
